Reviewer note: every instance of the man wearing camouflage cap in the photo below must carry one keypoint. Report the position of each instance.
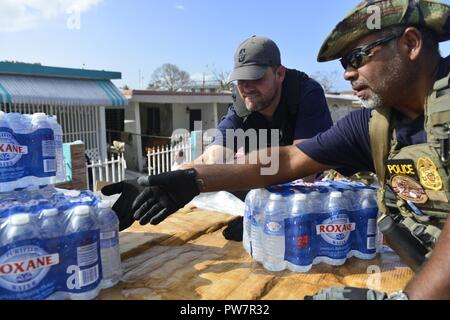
(396, 68)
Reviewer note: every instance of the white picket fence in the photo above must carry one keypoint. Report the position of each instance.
(160, 159)
(112, 170)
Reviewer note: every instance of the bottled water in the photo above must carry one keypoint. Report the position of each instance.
(109, 245)
(52, 229)
(369, 211)
(14, 148)
(256, 232)
(19, 227)
(51, 224)
(274, 233)
(5, 184)
(247, 226)
(351, 199)
(46, 138)
(85, 283)
(58, 142)
(317, 201)
(298, 233)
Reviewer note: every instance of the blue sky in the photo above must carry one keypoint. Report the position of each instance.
(196, 35)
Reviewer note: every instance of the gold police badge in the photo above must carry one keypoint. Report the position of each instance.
(429, 175)
(408, 189)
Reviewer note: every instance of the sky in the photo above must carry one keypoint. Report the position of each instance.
(135, 37)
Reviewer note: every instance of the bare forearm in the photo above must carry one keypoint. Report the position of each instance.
(290, 164)
(433, 281)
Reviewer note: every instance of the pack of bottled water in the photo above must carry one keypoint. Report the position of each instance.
(31, 151)
(298, 225)
(57, 247)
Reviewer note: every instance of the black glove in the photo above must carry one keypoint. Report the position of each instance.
(347, 293)
(235, 230)
(129, 190)
(164, 194)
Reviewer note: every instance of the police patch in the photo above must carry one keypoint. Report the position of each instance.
(401, 167)
(429, 175)
(408, 189)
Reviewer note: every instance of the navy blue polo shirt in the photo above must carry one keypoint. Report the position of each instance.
(346, 146)
(313, 116)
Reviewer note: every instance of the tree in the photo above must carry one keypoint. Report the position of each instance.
(125, 87)
(221, 77)
(328, 80)
(169, 77)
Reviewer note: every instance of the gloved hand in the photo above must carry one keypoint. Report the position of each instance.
(347, 293)
(129, 190)
(164, 194)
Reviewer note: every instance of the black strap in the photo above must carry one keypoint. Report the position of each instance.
(286, 114)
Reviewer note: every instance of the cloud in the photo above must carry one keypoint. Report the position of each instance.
(179, 7)
(17, 15)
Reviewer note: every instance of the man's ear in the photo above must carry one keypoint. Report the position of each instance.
(412, 43)
(281, 73)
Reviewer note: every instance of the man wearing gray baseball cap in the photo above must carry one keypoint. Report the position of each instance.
(267, 96)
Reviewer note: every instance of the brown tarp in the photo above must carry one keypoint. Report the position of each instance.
(187, 258)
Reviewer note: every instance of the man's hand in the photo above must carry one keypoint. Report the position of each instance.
(347, 293)
(129, 190)
(164, 194)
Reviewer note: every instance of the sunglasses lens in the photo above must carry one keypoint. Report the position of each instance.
(355, 60)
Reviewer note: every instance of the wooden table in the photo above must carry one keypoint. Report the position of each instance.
(186, 257)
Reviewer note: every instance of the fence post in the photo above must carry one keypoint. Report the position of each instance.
(196, 144)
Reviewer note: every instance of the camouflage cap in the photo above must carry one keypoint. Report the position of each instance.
(360, 22)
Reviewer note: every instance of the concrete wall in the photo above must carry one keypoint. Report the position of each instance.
(339, 108)
(131, 145)
(181, 116)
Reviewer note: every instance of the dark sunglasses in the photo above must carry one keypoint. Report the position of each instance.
(360, 56)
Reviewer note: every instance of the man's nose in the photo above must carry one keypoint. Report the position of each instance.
(350, 74)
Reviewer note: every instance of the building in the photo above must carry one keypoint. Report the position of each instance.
(78, 97)
(152, 117)
(341, 104)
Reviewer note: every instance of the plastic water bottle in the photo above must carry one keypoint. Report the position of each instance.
(109, 245)
(317, 201)
(274, 233)
(336, 202)
(39, 121)
(5, 185)
(300, 205)
(20, 125)
(247, 226)
(51, 230)
(351, 199)
(51, 225)
(369, 208)
(256, 233)
(88, 262)
(58, 142)
(19, 227)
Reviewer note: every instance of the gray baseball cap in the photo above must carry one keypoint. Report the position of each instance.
(253, 57)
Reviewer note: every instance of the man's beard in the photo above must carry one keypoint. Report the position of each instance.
(396, 74)
(262, 103)
(373, 102)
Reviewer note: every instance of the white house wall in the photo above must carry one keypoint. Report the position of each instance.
(181, 115)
